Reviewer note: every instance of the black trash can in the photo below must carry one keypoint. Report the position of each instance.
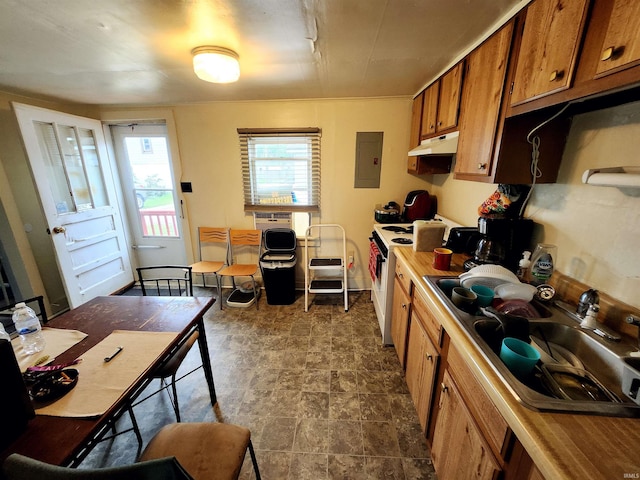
(278, 264)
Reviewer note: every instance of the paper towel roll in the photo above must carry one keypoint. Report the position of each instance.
(427, 235)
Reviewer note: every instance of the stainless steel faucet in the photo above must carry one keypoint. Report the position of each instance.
(588, 298)
(634, 320)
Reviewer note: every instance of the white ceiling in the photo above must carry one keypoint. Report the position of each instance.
(138, 51)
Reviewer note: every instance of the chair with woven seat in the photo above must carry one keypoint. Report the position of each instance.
(239, 242)
(211, 451)
(210, 239)
(169, 280)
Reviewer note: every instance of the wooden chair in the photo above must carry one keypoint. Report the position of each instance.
(179, 451)
(237, 240)
(211, 237)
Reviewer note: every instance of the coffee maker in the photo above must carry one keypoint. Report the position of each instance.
(502, 241)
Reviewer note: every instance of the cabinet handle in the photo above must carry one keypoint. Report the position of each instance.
(59, 229)
(444, 388)
(404, 306)
(611, 53)
(401, 276)
(482, 166)
(429, 357)
(432, 126)
(556, 75)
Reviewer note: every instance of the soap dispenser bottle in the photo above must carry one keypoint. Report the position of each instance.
(523, 267)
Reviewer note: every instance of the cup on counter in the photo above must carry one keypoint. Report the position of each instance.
(464, 299)
(442, 258)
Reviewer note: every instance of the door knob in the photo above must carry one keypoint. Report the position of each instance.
(59, 229)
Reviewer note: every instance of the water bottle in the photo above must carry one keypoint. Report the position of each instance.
(28, 326)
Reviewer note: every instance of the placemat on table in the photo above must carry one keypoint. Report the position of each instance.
(100, 384)
(58, 340)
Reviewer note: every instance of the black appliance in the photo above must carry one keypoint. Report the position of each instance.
(419, 205)
(278, 264)
(463, 240)
(502, 241)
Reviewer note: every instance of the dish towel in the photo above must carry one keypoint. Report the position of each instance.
(374, 261)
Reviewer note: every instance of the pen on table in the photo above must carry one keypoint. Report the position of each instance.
(111, 357)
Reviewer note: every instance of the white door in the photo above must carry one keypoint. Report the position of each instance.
(70, 166)
(152, 204)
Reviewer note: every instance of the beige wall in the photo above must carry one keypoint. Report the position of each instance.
(596, 229)
(210, 159)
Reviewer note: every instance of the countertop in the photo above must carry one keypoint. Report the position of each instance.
(562, 445)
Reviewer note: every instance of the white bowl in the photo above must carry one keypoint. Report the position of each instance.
(488, 275)
(515, 291)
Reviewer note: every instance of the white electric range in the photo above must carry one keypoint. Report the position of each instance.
(382, 265)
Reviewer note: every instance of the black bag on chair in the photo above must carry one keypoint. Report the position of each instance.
(14, 402)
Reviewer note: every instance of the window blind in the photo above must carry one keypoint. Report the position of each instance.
(280, 169)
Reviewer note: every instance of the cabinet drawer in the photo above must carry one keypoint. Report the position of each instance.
(428, 320)
(492, 424)
(402, 274)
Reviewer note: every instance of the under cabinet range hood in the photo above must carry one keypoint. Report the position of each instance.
(442, 145)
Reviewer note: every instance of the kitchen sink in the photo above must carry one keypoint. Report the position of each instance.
(579, 371)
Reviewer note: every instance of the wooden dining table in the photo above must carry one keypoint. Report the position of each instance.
(64, 440)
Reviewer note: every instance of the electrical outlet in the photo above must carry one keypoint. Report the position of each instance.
(350, 260)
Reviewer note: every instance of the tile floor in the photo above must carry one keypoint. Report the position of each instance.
(322, 397)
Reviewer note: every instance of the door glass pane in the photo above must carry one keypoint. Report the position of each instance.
(153, 193)
(75, 168)
(92, 165)
(55, 169)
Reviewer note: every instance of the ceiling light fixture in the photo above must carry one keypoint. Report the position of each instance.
(216, 64)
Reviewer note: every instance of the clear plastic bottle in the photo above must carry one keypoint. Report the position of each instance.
(28, 326)
(542, 263)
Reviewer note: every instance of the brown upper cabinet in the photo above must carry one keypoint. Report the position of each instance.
(480, 106)
(429, 110)
(416, 119)
(605, 36)
(441, 103)
(549, 48)
(621, 45)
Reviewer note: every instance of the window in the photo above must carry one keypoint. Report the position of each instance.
(281, 169)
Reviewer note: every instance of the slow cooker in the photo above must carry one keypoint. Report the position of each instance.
(389, 213)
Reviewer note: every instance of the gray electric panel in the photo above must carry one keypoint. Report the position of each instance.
(368, 159)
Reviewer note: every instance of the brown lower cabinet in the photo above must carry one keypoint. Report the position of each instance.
(421, 368)
(458, 449)
(468, 436)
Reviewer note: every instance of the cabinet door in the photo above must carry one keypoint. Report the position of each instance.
(400, 319)
(480, 105)
(430, 110)
(416, 120)
(449, 99)
(458, 449)
(621, 46)
(549, 49)
(422, 366)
